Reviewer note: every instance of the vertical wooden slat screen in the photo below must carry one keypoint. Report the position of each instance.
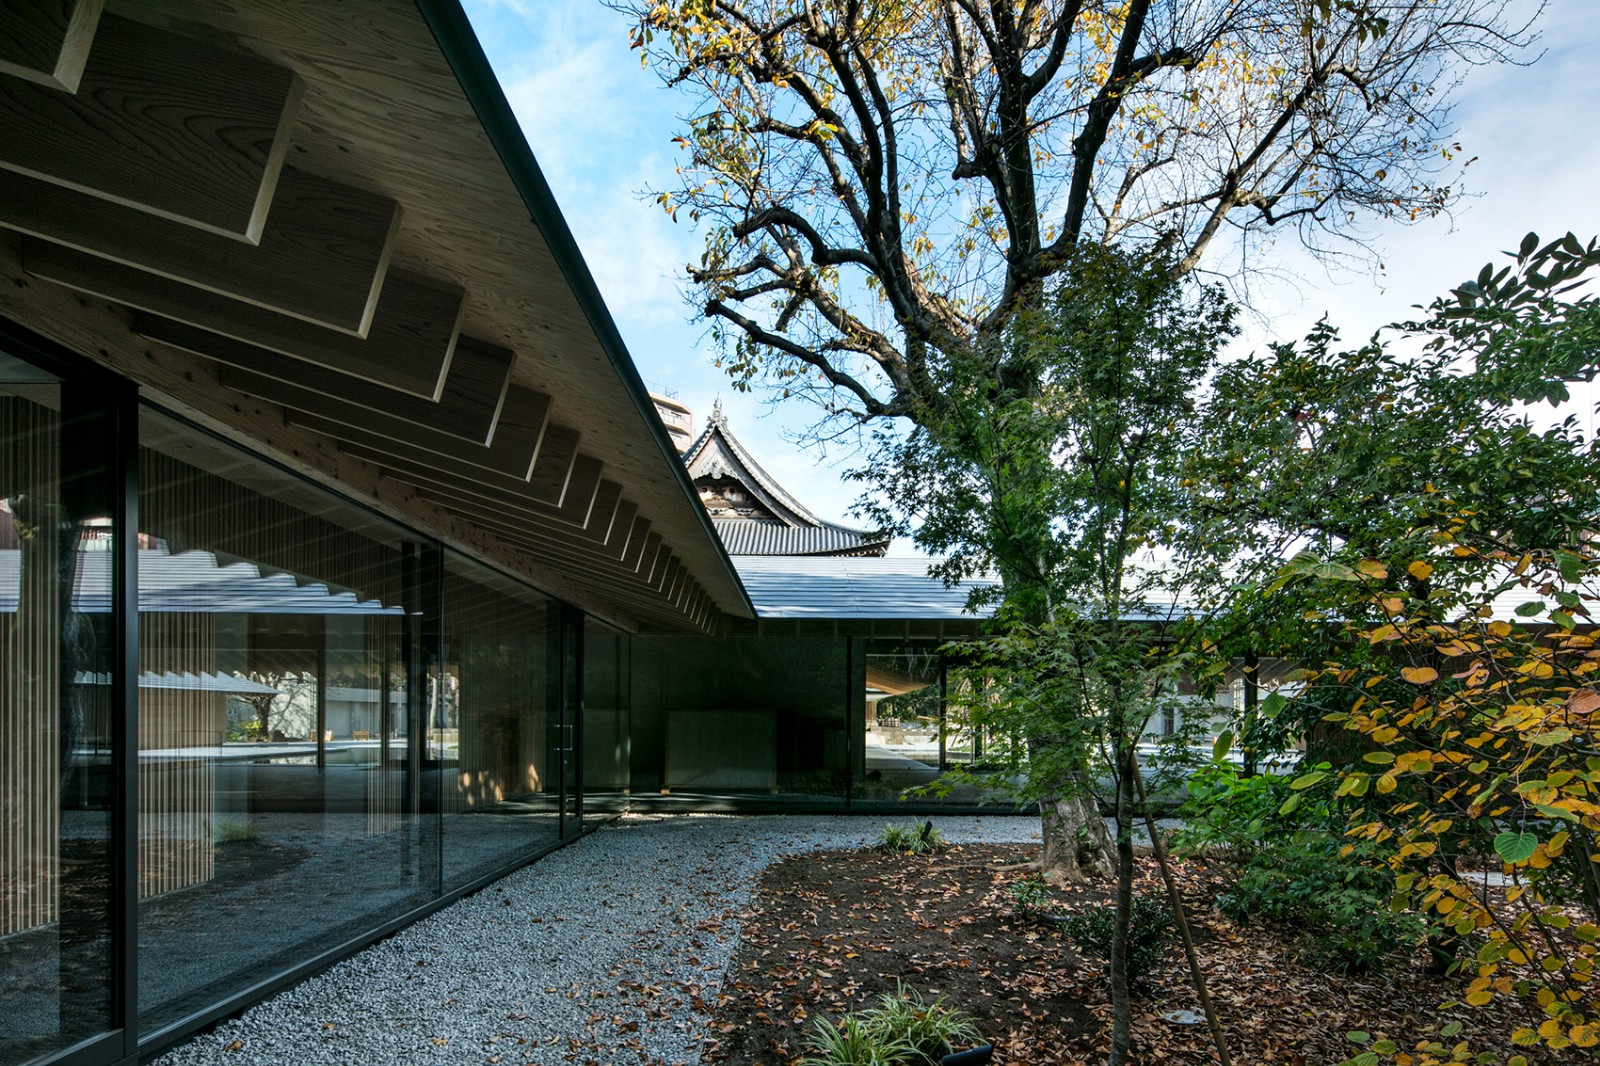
(30, 675)
(176, 787)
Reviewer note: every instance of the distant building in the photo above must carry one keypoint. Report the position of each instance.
(752, 513)
(676, 416)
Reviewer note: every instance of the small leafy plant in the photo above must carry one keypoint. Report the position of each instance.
(931, 1030)
(852, 1042)
(1149, 933)
(902, 1030)
(910, 840)
(1030, 897)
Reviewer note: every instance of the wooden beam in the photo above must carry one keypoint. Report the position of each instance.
(647, 556)
(511, 453)
(553, 468)
(425, 472)
(668, 575)
(322, 257)
(467, 411)
(565, 554)
(603, 512)
(408, 348)
(621, 527)
(514, 514)
(636, 541)
(160, 123)
(47, 41)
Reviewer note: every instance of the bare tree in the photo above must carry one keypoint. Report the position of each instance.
(883, 181)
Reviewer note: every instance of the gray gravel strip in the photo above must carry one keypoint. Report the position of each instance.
(609, 951)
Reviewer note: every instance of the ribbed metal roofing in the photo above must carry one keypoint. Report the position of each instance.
(195, 582)
(846, 587)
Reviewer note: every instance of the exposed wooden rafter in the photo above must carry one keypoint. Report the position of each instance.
(467, 411)
(47, 41)
(520, 442)
(160, 123)
(322, 256)
(408, 348)
(575, 507)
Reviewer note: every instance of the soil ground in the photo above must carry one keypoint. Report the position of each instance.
(831, 931)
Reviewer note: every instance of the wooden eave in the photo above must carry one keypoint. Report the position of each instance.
(488, 399)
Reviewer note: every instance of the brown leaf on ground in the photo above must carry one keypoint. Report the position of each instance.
(830, 932)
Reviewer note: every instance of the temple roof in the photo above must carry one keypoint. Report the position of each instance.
(752, 513)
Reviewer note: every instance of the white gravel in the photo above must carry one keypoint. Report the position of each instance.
(605, 952)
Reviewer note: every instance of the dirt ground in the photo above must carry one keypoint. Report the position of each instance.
(830, 932)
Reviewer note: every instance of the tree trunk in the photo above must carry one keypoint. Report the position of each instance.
(1077, 846)
(1121, 987)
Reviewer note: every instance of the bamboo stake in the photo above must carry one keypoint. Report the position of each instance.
(1195, 973)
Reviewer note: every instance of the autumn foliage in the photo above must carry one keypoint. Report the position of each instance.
(1482, 748)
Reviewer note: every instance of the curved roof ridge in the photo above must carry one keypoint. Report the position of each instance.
(717, 425)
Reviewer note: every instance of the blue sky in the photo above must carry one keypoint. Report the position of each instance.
(601, 128)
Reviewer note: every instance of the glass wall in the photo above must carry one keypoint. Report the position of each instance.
(56, 773)
(904, 735)
(279, 639)
(607, 685)
(328, 722)
(496, 740)
(747, 720)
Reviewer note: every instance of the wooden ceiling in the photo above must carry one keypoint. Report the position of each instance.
(293, 222)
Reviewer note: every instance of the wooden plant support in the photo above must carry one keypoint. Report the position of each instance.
(1195, 974)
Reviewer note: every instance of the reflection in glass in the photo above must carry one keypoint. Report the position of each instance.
(752, 719)
(492, 734)
(274, 811)
(606, 696)
(904, 719)
(55, 752)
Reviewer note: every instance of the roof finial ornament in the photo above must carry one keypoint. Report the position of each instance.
(716, 412)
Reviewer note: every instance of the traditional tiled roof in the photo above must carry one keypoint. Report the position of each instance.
(762, 518)
(743, 537)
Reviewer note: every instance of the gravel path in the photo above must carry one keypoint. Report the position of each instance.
(604, 952)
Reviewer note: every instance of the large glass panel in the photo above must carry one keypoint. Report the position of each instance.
(606, 699)
(746, 721)
(280, 793)
(55, 716)
(494, 733)
(904, 718)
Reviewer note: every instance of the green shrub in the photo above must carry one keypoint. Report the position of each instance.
(1225, 810)
(902, 1030)
(1338, 906)
(232, 831)
(909, 839)
(1030, 897)
(1149, 933)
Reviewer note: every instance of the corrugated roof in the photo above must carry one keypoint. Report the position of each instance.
(849, 587)
(193, 582)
